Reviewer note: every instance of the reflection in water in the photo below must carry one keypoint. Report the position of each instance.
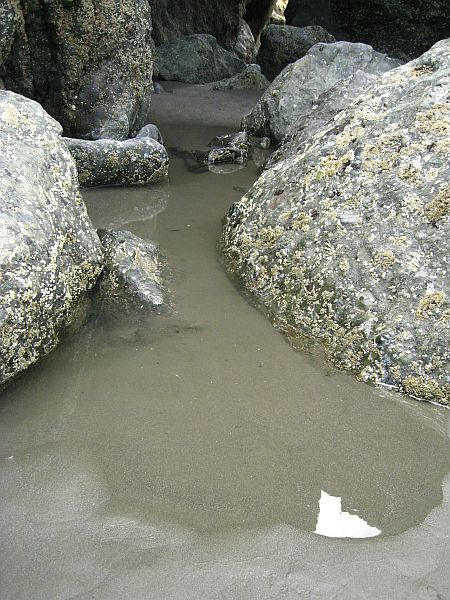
(332, 521)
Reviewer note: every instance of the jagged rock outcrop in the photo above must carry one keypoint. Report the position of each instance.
(346, 241)
(89, 63)
(135, 274)
(282, 45)
(298, 87)
(136, 161)
(173, 19)
(399, 27)
(49, 252)
(196, 59)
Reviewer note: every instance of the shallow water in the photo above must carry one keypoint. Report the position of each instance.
(185, 456)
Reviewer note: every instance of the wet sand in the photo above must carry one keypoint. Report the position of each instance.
(184, 457)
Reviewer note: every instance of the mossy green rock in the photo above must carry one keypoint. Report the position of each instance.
(49, 252)
(346, 240)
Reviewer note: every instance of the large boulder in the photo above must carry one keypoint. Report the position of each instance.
(137, 161)
(399, 27)
(196, 59)
(174, 19)
(49, 252)
(282, 45)
(88, 63)
(346, 241)
(298, 87)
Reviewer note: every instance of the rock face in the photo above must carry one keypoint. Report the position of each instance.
(173, 19)
(49, 252)
(134, 272)
(88, 63)
(282, 45)
(109, 162)
(197, 59)
(347, 241)
(398, 27)
(300, 84)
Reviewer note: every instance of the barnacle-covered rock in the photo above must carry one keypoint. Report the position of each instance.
(346, 240)
(49, 252)
(136, 161)
(88, 63)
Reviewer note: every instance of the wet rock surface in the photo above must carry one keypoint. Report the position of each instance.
(299, 85)
(196, 59)
(76, 59)
(135, 273)
(136, 161)
(49, 252)
(346, 240)
(282, 45)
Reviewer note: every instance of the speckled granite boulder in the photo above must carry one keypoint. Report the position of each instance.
(196, 59)
(282, 45)
(135, 273)
(250, 79)
(88, 63)
(109, 162)
(49, 252)
(346, 241)
(299, 85)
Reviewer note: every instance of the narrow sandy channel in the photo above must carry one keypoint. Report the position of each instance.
(184, 457)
